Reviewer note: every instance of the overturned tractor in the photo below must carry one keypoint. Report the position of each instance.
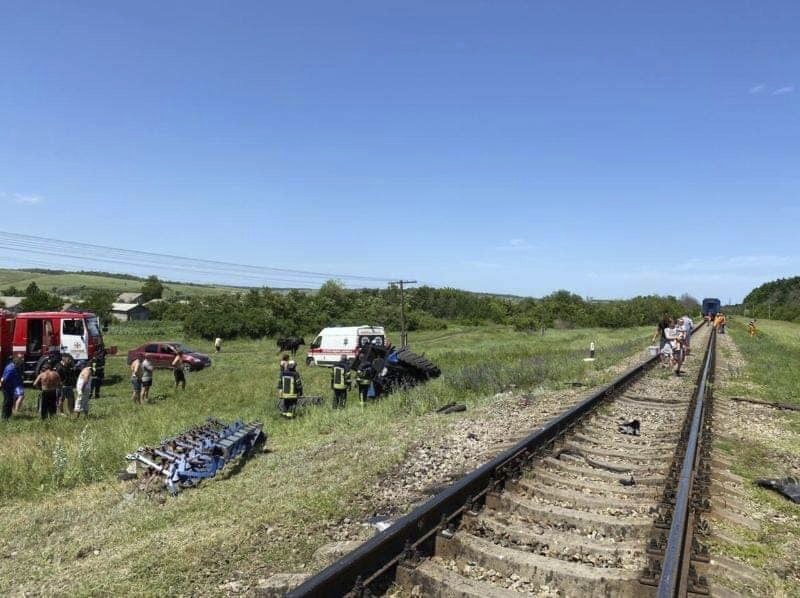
(390, 368)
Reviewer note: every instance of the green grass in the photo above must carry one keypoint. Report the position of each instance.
(770, 374)
(54, 516)
(772, 358)
(68, 284)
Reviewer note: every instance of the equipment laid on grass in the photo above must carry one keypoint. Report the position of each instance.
(390, 367)
(198, 453)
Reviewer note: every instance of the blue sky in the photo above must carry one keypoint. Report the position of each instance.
(611, 149)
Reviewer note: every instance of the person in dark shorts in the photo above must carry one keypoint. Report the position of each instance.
(68, 374)
(177, 371)
(98, 366)
(49, 382)
(136, 378)
(147, 379)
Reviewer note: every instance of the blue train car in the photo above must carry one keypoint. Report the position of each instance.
(711, 306)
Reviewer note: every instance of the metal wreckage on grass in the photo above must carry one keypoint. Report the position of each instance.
(196, 454)
(391, 368)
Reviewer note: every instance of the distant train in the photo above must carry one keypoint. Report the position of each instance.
(711, 306)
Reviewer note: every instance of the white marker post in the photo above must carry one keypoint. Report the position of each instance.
(591, 352)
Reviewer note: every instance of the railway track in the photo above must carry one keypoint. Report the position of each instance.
(578, 508)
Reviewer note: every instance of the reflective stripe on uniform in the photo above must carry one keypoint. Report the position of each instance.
(338, 378)
(288, 388)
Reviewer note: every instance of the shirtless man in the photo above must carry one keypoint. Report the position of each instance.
(136, 378)
(83, 388)
(49, 382)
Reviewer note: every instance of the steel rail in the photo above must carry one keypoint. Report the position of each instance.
(674, 569)
(377, 558)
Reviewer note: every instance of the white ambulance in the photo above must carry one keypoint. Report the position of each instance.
(332, 343)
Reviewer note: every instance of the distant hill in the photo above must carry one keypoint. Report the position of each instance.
(76, 283)
(779, 298)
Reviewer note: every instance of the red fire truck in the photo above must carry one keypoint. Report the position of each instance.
(43, 335)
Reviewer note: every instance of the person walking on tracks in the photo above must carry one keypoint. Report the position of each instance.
(363, 381)
(290, 387)
(177, 371)
(340, 382)
(49, 382)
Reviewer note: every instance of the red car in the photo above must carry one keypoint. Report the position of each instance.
(162, 353)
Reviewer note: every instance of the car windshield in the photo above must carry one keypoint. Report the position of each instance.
(183, 348)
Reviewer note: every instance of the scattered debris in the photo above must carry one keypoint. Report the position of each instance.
(628, 482)
(786, 406)
(197, 453)
(788, 487)
(451, 408)
(632, 427)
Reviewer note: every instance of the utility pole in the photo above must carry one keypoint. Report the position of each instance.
(403, 333)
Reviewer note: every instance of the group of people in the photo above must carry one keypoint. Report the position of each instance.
(290, 385)
(674, 338)
(65, 386)
(142, 376)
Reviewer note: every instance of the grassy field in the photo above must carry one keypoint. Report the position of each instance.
(772, 450)
(772, 358)
(67, 525)
(66, 284)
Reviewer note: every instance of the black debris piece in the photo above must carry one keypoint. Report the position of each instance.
(454, 408)
(628, 481)
(789, 487)
(631, 427)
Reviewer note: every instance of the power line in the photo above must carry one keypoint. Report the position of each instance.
(87, 252)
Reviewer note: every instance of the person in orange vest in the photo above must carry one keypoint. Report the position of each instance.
(751, 327)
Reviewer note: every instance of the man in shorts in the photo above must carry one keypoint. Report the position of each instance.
(83, 388)
(50, 383)
(177, 371)
(66, 371)
(147, 379)
(136, 378)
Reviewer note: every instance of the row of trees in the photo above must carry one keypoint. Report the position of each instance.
(266, 312)
(779, 299)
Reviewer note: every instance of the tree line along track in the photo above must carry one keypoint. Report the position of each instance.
(577, 508)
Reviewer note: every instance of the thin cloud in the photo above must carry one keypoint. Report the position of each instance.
(26, 200)
(482, 265)
(757, 88)
(516, 244)
(783, 90)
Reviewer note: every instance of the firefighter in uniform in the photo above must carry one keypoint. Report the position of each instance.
(340, 382)
(363, 381)
(290, 386)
